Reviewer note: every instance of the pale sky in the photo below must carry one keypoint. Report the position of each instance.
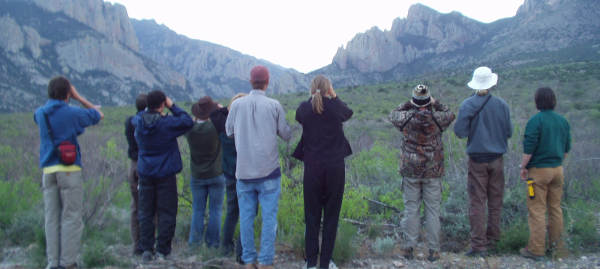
(303, 35)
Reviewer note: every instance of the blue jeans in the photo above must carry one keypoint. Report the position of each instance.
(212, 189)
(249, 195)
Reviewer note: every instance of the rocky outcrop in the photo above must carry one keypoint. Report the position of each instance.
(427, 41)
(423, 32)
(37, 44)
(111, 20)
(223, 72)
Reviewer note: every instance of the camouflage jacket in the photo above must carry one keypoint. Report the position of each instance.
(422, 149)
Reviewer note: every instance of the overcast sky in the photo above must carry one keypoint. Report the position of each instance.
(303, 35)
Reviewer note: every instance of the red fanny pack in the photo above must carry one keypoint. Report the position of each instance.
(67, 152)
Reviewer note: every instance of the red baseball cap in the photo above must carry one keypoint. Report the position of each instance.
(259, 73)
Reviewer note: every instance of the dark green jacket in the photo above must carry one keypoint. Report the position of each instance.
(205, 151)
(547, 139)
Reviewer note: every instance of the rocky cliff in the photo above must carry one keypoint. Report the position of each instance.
(111, 20)
(427, 41)
(223, 72)
(37, 43)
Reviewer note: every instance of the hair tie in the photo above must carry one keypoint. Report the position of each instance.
(318, 90)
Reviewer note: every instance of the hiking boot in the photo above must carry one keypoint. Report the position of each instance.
(476, 253)
(162, 256)
(525, 253)
(408, 254)
(147, 256)
(332, 265)
(433, 256)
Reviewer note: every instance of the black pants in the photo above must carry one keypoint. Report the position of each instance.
(157, 194)
(323, 195)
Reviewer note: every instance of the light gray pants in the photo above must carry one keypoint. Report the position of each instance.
(415, 191)
(63, 205)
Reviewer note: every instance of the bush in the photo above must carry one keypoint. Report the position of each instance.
(96, 254)
(514, 237)
(383, 246)
(346, 244)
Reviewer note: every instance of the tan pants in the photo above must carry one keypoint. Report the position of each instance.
(415, 191)
(548, 187)
(63, 206)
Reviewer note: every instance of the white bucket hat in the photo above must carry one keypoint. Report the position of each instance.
(483, 79)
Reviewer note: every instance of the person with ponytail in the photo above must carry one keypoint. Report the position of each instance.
(322, 148)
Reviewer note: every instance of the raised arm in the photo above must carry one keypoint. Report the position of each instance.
(443, 114)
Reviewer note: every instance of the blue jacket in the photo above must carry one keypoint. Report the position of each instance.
(67, 123)
(156, 135)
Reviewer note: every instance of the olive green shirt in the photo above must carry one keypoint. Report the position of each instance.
(205, 150)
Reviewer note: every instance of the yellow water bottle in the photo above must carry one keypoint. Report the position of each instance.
(530, 188)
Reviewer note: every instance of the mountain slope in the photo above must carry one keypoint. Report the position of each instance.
(37, 44)
(426, 42)
(223, 72)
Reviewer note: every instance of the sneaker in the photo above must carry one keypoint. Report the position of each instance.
(433, 256)
(147, 256)
(476, 253)
(332, 265)
(525, 253)
(408, 254)
(162, 256)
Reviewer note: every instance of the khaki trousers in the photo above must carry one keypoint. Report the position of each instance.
(134, 224)
(548, 187)
(63, 206)
(485, 184)
(415, 191)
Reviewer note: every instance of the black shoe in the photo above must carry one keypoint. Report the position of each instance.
(525, 253)
(476, 253)
(433, 256)
(408, 254)
(238, 259)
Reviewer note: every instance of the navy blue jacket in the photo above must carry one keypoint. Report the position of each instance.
(156, 136)
(67, 122)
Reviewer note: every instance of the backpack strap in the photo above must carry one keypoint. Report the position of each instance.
(406, 122)
(49, 128)
(436, 122)
(481, 107)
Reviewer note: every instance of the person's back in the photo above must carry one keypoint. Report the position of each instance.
(258, 120)
(487, 132)
(62, 179)
(485, 120)
(255, 121)
(548, 142)
(205, 150)
(159, 161)
(422, 122)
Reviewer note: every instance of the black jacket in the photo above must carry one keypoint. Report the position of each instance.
(323, 139)
(132, 150)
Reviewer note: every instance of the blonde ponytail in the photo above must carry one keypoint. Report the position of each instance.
(318, 87)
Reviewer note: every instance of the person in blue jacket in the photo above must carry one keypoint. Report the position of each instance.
(63, 183)
(159, 160)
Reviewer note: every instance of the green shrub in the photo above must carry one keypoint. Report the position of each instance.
(25, 227)
(514, 236)
(95, 253)
(383, 246)
(346, 244)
